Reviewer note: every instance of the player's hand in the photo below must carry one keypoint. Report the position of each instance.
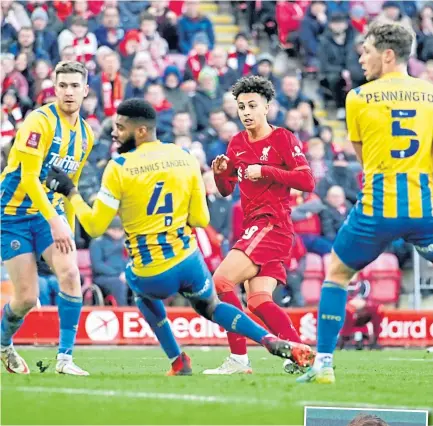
(59, 181)
(61, 235)
(220, 164)
(253, 172)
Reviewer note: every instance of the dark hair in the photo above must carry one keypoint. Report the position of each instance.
(392, 36)
(367, 420)
(71, 67)
(138, 109)
(254, 84)
(146, 16)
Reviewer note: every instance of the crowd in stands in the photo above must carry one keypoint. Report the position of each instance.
(166, 52)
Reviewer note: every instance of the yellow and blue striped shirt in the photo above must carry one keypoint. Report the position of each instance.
(48, 137)
(393, 119)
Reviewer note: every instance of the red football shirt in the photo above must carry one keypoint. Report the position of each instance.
(268, 196)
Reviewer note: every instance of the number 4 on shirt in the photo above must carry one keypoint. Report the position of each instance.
(397, 130)
(167, 207)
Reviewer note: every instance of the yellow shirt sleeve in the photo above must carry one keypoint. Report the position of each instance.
(198, 211)
(69, 210)
(32, 141)
(96, 220)
(353, 105)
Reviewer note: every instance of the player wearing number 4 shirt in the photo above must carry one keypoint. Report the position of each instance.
(390, 123)
(159, 192)
(266, 162)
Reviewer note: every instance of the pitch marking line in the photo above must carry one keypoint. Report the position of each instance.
(144, 395)
(412, 359)
(359, 405)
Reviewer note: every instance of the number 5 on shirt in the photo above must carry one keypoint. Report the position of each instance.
(397, 130)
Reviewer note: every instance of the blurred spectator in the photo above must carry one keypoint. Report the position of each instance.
(209, 244)
(264, 68)
(230, 107)
(182, 126)
(192, 22)
(78, 36)
(89, 110)
(198, 152)
(393, 12)
(425, 33)
(109, 85)
(316, 158)
(198, 57)
(137, 84)
(68, 54)
(89, 183)
(128, 49)
(12, 78)
(176, 96)
(26, 44)
(219, 146)
(14, 14)
(339, 174)
(293, 122)
(306, 208)
(156, 97)
(208, 96)
(337, 6)
(47, 94)
(336, 211)
(64, 9)
(428, 72)
(7, 134)
(310, 124)
(185, 142)
(241, 59)
(80, 9)
(289, 15)
(353, 66)
(220, 209)
(11, 106)
(312, 27)
(48, 284)
(217, 118)
(291, 95)
(358, 18)
(327, 136)
(45, 39)
(276, 114)
(110, 33)
(42, 73)
(8, 32)
(108, 262)
(130, 13)
(149, 35)
(54, 24)
(227, 76)
(166, 20)
(335, 45)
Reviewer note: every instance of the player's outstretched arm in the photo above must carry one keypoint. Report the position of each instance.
(198, 210)
(225, 175)
(95, 220)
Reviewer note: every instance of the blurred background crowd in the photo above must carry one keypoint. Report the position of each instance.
(183, 57)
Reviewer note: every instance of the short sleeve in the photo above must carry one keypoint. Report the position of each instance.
(34, 135)
(353, 103)
(292, 152)
(110, 192)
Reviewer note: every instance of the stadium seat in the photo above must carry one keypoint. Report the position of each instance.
(384, 276)
(310, 290)
(314, 266)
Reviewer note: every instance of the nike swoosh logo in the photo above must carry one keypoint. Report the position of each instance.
(240, 153)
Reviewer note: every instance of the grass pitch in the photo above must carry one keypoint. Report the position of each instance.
(128, 386)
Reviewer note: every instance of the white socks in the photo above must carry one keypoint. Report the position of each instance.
(321, 359)
(243, 359)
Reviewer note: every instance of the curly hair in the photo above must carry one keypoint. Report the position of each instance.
(254, 84)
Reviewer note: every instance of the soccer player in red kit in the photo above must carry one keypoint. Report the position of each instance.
(266, 161)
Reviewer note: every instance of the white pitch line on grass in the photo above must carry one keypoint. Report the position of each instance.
(358, 405)
(211, 399)
(412, 359)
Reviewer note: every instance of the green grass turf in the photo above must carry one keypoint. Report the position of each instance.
(140, 392)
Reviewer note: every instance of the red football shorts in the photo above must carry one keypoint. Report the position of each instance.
(268, 246)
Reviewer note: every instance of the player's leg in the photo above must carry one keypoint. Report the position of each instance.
(148, 294)
(360, 241)
(19, 260)
(234, 269)
(70, 299)
(260, 303)
(23, 274)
